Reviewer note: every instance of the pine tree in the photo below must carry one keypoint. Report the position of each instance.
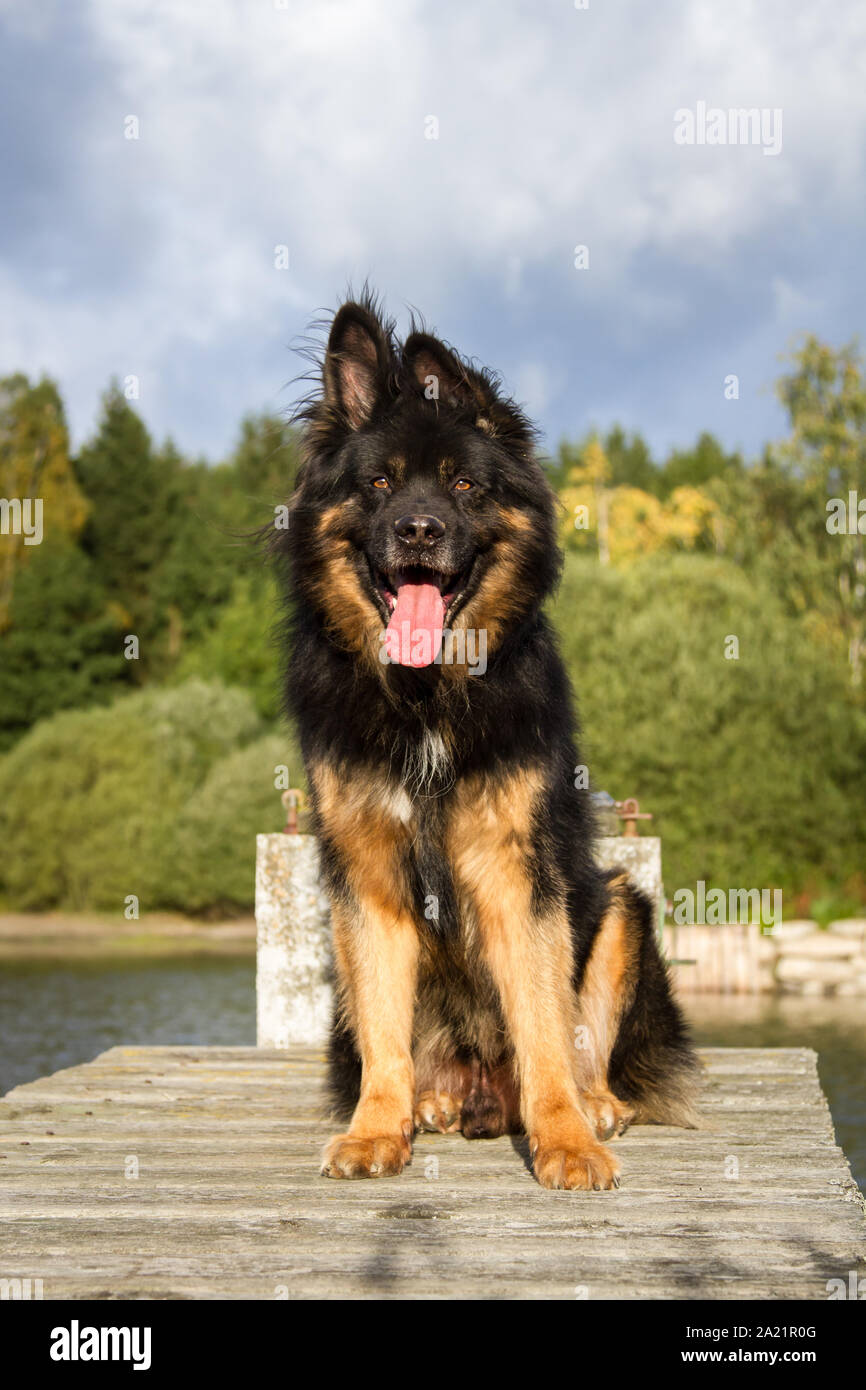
(133, 494)
(34, 465)
(63, 643)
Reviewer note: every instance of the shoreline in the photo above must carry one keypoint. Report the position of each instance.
(90, 935)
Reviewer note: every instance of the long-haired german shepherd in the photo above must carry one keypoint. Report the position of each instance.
(491, 977)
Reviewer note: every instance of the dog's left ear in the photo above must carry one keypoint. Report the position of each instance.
(441, 375)
(357, 362)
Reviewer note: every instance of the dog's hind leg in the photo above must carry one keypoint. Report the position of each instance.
(633, 1056)
(467, 1094)
(607, 988)
(441, 1086)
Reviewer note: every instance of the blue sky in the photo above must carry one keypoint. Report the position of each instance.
(304, 124)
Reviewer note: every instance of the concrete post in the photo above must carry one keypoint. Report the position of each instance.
(293, 943)
(641, 857)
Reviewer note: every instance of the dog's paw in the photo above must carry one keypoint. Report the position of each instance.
(383, 1156)
(437, 1111)
(588, 1166)
(608, 1116)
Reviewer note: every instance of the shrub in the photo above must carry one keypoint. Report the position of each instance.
(211, 862)
(751, 766)
(88, 799)
(241, 646)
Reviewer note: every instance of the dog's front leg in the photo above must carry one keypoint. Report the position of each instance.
(527, 958)
(376, 955)
(528, 952)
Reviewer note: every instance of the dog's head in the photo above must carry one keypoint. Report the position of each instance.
(420, 507)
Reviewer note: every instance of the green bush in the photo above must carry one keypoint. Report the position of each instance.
(89, 799)
(241, 647)
(62, 647)
(211, 863)
(752, 767)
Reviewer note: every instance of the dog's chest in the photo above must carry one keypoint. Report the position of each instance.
(426, 763)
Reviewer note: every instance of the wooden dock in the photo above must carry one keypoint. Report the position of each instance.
(183, 1172)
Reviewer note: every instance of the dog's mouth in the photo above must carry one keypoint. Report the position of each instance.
(417, 601)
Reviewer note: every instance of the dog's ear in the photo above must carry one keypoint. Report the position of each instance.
(357, 362)
(441, 375)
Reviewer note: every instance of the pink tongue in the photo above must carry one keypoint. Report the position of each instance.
(414, 634)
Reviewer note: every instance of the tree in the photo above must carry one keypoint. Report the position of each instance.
(133, 491)
(698, 466)
(239, 646)
(586, 494)
(630, 523)
(631, 463)
(266, 459)
(212, 860)
(34, 464)
(750, 757)
(89, 799)
(63, 644)
(825, 397)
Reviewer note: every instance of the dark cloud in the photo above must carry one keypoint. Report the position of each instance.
(307, 126)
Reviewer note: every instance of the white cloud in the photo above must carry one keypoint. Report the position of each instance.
(305, 126)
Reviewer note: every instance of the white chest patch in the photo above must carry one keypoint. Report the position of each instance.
(398, 804)
(427, 759)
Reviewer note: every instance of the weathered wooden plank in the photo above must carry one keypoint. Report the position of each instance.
(228, 1202)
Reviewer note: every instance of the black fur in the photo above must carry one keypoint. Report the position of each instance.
(355, 715)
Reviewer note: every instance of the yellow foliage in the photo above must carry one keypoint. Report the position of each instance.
(638, 523)
(35, 464)
(593, 466)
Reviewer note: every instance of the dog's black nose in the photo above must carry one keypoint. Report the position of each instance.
(419, 530)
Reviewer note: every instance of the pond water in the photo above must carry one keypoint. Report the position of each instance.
(56, 1015)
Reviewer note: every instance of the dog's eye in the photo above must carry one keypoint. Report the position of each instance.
(381, 482)
(463, 485)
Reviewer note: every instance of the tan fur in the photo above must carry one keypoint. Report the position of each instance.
(545, 1048)
(530, 961)
(607, 989)
(376, 952)
(352, 618)
(500, 601)
(606, 992)
(445, 469)
(438, 1111)
(356, 624)
(377, 964)
(368, 822)
(376, 968)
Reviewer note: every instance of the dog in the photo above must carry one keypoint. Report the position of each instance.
(491, 978)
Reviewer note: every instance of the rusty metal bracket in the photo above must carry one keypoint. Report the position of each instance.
(630, 813)
(294, 801)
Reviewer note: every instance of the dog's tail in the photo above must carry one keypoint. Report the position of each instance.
(653, 1065)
